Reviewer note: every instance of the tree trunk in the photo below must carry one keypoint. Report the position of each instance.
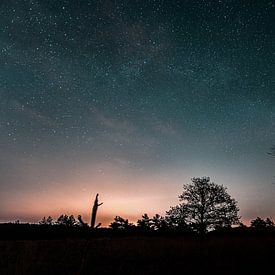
(94, 211)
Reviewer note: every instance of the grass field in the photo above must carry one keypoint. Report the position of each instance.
(140, 255)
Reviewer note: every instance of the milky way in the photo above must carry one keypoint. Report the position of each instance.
(131, 99)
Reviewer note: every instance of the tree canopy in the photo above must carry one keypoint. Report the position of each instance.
(66, 220)
(260, 223)
(120, 224)
(156, 223)
(204, 206)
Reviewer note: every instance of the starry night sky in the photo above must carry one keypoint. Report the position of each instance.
(131, 99)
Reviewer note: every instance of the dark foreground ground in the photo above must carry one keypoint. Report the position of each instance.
(139, 255)
(215, 254)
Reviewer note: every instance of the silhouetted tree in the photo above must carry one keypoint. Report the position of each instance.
(242, 225)
(81, 222)
(145, 222)
(205, 206)
(176, 218)
(66, 220)
(46, 221)
(269, 223)
(121, 224)
(156, 223)
(94, 212)
(159, 223)
(260, 223)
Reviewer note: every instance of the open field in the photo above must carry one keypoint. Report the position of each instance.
(140, 255)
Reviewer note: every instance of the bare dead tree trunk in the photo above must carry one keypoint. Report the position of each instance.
(94, 212)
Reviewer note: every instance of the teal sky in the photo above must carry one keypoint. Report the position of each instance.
(131, 99)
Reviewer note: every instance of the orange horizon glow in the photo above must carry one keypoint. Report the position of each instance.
(123, 193)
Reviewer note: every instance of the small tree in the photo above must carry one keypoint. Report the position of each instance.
(269, 223)
(145, 222)
(159, 223)
(242, 225)
(176, 218)
(81, 223)
(205, 206)
(260, 223)
(46, 221)
(66, 220)
(156, 223)
(120, 224)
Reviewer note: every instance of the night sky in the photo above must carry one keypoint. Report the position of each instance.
(131, 99)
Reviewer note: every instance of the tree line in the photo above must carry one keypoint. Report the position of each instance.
(155, 223)
(204, 206)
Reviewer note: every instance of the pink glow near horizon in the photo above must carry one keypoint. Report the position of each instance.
(123, 192)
